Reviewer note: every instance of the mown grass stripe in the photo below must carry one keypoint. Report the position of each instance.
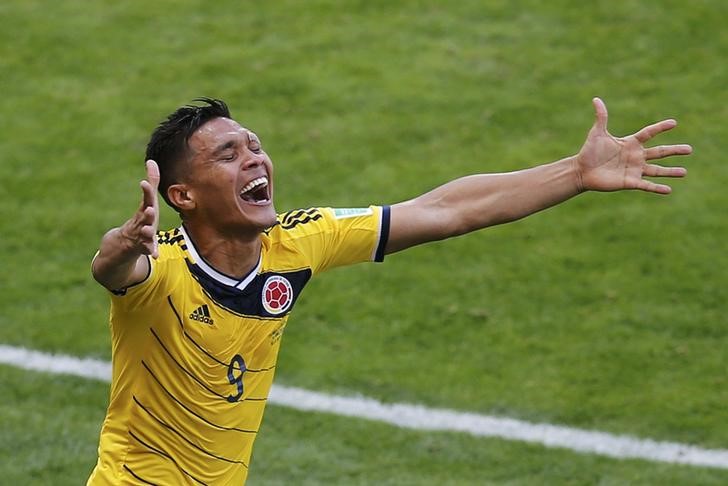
(418, 417)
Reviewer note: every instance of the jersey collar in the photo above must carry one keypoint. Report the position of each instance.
(220, 277)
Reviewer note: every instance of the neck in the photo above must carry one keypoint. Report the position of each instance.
(234, 255)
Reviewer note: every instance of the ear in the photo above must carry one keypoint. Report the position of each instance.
(181, 196)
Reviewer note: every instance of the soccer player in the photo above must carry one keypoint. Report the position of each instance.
(197, 312)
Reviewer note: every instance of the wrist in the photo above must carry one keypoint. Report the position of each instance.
(576, 173)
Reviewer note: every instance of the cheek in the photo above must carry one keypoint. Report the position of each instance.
(218, 189)
(219, 180)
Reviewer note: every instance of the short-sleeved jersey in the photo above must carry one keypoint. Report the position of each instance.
(194, 351)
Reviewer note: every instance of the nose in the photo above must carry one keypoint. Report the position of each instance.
(253, 163)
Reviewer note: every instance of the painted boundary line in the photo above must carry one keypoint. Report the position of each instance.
(418, 417)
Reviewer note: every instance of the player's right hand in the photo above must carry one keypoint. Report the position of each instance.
(140, 231)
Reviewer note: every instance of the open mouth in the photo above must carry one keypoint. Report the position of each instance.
(256, 191)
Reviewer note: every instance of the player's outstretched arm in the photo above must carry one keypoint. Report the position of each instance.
(604, 163)
(122, 258)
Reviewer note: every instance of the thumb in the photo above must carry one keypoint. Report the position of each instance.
(153, 174)
(600, 111)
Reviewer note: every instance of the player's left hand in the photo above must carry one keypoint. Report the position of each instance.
(608, 163)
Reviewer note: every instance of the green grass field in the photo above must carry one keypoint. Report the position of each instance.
(607, 313)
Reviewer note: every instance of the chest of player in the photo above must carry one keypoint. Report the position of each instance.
(225, 318)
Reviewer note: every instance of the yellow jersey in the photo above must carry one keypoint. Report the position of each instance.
(194, 351)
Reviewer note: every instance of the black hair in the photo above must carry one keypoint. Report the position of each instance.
(168, 145)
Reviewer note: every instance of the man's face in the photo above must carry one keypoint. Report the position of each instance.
(230, 178)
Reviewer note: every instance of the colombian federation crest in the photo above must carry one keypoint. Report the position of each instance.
(277, 295)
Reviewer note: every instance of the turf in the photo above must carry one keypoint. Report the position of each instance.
(606, 313)
(303, 448)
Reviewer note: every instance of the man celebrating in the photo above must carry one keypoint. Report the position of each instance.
(197, 312)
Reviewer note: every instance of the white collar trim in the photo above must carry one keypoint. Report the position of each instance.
(220, 277)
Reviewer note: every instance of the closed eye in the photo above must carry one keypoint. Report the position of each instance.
(254, 143)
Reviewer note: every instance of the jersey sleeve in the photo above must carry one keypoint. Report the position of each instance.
(334, 237)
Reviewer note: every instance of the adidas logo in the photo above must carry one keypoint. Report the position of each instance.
(202, 314)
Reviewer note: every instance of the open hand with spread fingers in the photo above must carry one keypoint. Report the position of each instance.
(608, 163)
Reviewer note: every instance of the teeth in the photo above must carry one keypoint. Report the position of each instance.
(260, 181)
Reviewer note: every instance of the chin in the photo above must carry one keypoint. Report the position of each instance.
(272, 220)
(265, 217)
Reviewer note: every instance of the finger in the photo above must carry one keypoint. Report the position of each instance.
(153, 178)
(147, 233)
(149, 195)
(153, 174)
(148, 248)
(651, 130)
(653, 187)
(600, 111)
(654, 170)
(663, 151)
(150, 186)
(148, 216)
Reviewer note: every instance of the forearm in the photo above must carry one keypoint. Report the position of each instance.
(478, 201)
(118, 263)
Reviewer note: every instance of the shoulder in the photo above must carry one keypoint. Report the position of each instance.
(170, 237)
(300, 223)
(303, 219)
(172, 245)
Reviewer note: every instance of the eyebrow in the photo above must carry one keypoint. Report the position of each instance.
(223, 147)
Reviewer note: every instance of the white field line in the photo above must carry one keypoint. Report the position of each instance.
(418, 417)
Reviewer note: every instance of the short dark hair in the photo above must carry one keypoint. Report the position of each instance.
(169, 142)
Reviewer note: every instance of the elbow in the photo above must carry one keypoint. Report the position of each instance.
(101, 274)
